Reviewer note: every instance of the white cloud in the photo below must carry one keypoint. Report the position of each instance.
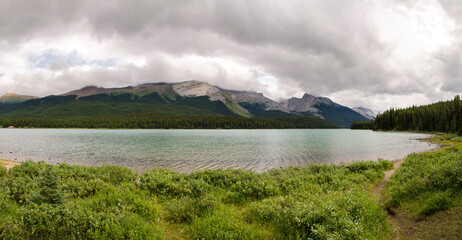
(376, 54)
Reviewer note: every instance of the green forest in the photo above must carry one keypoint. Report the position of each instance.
(438, 117)
(155, 121)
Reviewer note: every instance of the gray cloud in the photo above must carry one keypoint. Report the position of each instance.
(330, 48)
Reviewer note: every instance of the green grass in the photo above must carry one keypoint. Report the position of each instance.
(428, 183)
(109, 202)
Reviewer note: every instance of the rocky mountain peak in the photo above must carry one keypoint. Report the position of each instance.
(195, 88)
(366, 112)
(10, 95)
(14, 98)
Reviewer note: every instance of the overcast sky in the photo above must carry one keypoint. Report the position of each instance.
(376, 54)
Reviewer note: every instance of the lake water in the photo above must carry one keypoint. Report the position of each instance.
(189, 150)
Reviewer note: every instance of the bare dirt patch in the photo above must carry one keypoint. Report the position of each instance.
(378, 188)
(8, 163)
(443, 225)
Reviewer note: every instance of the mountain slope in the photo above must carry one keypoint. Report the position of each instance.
(184, 98)
(366, 112)
(323, 108)
(71, 106)
(338, 114)
(14, 98)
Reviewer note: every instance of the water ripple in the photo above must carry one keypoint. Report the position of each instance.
(189, 150)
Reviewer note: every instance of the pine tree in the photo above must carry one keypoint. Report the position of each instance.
(49, 189)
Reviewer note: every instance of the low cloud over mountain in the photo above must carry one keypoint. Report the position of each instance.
(376, 54)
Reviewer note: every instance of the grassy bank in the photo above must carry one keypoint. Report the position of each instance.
(428, 182)
(40, 201)
(424, 196)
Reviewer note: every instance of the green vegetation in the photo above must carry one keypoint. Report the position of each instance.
(145, 108)
(369, 125)
(154, 121)
(113, 104)
(40, 201)
(438, 117)
(234, 107)
(427, 183)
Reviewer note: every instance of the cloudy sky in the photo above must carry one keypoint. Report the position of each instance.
(377, 53)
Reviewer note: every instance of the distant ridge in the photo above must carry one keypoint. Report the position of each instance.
(366, 112)
(189, 97)
(92, 90)
(14, 98)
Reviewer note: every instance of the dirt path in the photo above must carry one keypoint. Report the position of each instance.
(443, 225)
(403, 227)
(378, 188)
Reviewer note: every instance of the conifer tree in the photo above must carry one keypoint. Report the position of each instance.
(49, 189)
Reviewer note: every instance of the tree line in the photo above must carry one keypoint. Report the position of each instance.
(154, 121)
(438, 117)
(362, 125)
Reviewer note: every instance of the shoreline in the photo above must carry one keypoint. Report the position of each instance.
(369, 194)
(8, 163)
(431, 139)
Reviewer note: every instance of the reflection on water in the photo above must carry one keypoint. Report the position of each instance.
(189, 150)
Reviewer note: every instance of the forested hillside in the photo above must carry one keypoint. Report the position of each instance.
(437, 117)
(155, 121)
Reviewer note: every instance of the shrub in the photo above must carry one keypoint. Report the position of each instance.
(19, 188)
(126, 198)
(28, 168)
(186, 209)
(49, 189)
(221, 226)
(84, 181)
(3, 171)
(436, 202)
(165, 182)
(332, 215)
(457, 139)
(373, 169)
(269, 210)
(313, 202)
(115, 213)
(69, 222)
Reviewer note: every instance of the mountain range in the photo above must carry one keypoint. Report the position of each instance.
(367, 113)
(190, 97)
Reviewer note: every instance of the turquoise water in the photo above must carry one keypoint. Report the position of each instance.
(189, 150)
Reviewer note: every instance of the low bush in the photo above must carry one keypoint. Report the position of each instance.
(186, 209)
(3, 171)
(332, 215)
(41, 201)
(114, 213)
(436, 202)
(221, 226)
(165, 182)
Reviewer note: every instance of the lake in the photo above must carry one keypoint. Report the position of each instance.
(189, 150)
